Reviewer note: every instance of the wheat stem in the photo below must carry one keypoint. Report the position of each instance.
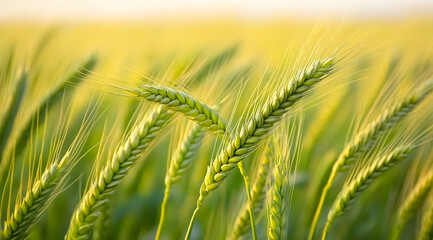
(250, 201)
(162, 215)
(191, 222)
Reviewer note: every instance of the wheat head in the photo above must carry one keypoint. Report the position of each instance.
(116, 169)
(185, 104)
(26, 212)
(362, 181)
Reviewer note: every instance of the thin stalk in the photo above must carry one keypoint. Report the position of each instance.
(191, 222)
(250, 201)
(163, 206)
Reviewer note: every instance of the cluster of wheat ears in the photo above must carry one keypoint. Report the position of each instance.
(64, 153)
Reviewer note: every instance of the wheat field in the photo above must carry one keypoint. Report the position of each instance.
(217, 130)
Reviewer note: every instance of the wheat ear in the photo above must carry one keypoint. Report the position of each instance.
(427, 225)
(278, 205)
(259, 126)
(29, 209)
(412, 203)
(184, 155)
(9, 119)
(112, 174)
(185, 104)
(368, 137)
(362, 181)
(258, 196)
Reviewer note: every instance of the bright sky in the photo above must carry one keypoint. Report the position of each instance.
(145, 9)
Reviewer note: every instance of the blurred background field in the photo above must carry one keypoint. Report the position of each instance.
(129, 52)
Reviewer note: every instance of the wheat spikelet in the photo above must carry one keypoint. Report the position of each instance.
(112, 174)
(362, 181)
(185, 104)
(411, 204)
(258, 195)
(368, 137)
(257, 127)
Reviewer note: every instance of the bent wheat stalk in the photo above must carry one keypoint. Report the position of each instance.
(116, 169)
(185, 104)
(412, 203)
(362, 181)
(257, 127)
(368, 137)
